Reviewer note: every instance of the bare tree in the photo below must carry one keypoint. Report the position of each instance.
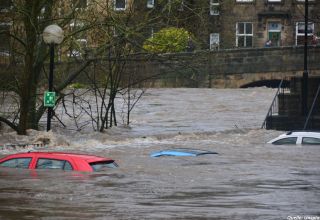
(113, 36)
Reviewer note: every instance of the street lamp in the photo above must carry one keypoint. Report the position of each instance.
(52, 35)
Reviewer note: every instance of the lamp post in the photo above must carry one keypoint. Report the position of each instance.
(305, 69)
(52, 35)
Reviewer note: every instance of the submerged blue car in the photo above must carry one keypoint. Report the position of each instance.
(181, 152)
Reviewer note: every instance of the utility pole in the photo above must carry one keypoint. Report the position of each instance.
(304, 90)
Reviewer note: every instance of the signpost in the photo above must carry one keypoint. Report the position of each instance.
(49, 99)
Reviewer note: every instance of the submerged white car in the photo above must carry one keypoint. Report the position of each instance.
(297, 137)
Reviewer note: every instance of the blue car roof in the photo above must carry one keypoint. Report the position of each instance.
(181, 152)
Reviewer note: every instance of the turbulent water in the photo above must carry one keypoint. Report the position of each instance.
(248, 179)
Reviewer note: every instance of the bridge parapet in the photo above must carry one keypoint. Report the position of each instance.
(237, 67)
(231, 68)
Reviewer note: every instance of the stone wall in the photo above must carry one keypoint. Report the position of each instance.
(207, 69)
(229, 68)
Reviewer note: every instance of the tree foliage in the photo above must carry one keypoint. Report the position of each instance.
(168, 40)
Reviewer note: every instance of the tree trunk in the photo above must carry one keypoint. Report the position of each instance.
(29, 79)
(28, 97)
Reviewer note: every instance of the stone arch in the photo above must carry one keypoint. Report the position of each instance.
(270, 83)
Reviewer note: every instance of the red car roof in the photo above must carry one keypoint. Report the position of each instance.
(79, 162)
(86, 157)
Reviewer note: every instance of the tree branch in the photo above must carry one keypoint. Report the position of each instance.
(9, 123)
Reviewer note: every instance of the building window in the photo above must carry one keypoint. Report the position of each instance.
(244, 34)
(77, 49)
(300, 28)
(41, 15)
(5, 38)
(5, 5)
(151, 32)
(181, 7)
(78, 41)
(274, 33)
(214, 41)
(304, 0)
(115, 31)
(80, 4)
(214, 7)
(120, 5)
(150, 3)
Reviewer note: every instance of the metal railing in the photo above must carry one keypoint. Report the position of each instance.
(274, 107)
(312, 108)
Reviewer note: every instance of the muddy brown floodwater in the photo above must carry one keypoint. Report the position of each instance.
(248, 179)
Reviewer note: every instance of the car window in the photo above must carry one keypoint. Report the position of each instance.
(99, 166)
(44, 163)
(310, 140)
(289, 140)
(17, 163)
(67, 166)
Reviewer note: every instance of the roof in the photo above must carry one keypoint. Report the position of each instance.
(181, 152)
(86, 157)
(294, 134)
(304, 133)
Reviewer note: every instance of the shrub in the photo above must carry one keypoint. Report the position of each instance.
(168, 40)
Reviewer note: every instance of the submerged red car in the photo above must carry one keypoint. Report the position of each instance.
(57, 160)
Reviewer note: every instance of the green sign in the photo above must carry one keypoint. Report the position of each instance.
(49, 99)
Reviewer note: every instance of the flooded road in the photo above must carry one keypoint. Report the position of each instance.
(247, 179)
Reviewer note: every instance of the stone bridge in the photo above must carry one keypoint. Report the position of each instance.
(232, 68)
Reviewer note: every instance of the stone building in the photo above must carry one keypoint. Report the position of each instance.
(4, 30)
(223, 24)
(251, 23)
(216, 24)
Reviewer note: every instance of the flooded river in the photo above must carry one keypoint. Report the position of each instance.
(247, 179)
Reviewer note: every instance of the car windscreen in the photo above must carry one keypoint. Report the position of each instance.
(283, 141)
(103, 165)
